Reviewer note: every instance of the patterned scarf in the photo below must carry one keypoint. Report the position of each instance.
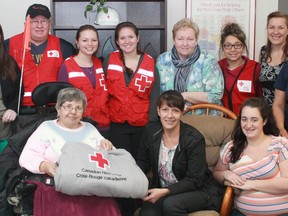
(183, 68)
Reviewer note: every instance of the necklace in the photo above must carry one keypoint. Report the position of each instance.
(85, 64)
(170, 142)
(90, 70)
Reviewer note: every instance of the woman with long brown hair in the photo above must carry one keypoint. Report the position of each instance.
(9, 91)
(133, 88)
(274, 54)
(255, 162)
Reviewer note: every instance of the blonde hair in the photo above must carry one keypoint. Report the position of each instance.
(185, 23)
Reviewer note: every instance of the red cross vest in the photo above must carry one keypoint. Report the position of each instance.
(130, 103)
(97, 98)
(243, 86)
(33, 74)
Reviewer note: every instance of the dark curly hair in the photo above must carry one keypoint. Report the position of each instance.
(239, 138)
(232, 29)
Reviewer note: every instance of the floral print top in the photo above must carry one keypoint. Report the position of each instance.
(268, 76)
(205, 76)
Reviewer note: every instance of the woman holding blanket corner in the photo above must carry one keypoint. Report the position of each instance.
(175, 152)
(44, 146)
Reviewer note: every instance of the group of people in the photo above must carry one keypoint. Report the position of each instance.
(136, 103)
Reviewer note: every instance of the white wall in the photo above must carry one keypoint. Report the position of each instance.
(176, 11)
(263, 8)
(12, 14)
(12, 20)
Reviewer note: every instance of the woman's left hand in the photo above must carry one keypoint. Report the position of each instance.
(155, 194)
(248, 185)
(106, 144)
(9, 116)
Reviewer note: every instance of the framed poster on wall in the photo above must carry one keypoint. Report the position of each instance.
(211, 15)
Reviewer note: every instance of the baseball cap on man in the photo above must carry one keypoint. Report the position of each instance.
(38, 9)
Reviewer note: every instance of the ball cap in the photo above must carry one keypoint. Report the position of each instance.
(38, 9)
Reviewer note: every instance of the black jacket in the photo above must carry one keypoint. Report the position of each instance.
(24, 127)
(189, 162)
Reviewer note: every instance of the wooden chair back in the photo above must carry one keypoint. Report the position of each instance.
(224, 112)
(228, 198)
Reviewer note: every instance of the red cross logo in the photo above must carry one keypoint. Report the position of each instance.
(50, 53)
(53, 53)
(102, 82)
(99, 159)
(241, 83)
(143, 83)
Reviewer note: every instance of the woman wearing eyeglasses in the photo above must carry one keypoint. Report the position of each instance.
(241, 75)
(43, 149)
(189, 69)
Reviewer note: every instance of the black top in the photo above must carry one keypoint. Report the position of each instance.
(189, 161)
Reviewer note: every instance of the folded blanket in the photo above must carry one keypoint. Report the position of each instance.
(85, 171)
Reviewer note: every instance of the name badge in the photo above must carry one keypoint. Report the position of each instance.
(244, 85)
(53, 54)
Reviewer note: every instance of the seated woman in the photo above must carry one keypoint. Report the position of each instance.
(175, 152)
(256, 162)
(43, 150)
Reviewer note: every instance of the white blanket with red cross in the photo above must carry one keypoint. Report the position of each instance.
(83, 170)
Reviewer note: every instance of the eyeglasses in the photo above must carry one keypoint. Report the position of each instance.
(44, 22)
(70, 108)
(229, 46)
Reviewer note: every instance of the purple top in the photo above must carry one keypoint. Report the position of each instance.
(88, 71)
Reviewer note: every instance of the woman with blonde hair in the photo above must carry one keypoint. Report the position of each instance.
(189, 69)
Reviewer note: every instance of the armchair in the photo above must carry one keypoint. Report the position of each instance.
(217, 132)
